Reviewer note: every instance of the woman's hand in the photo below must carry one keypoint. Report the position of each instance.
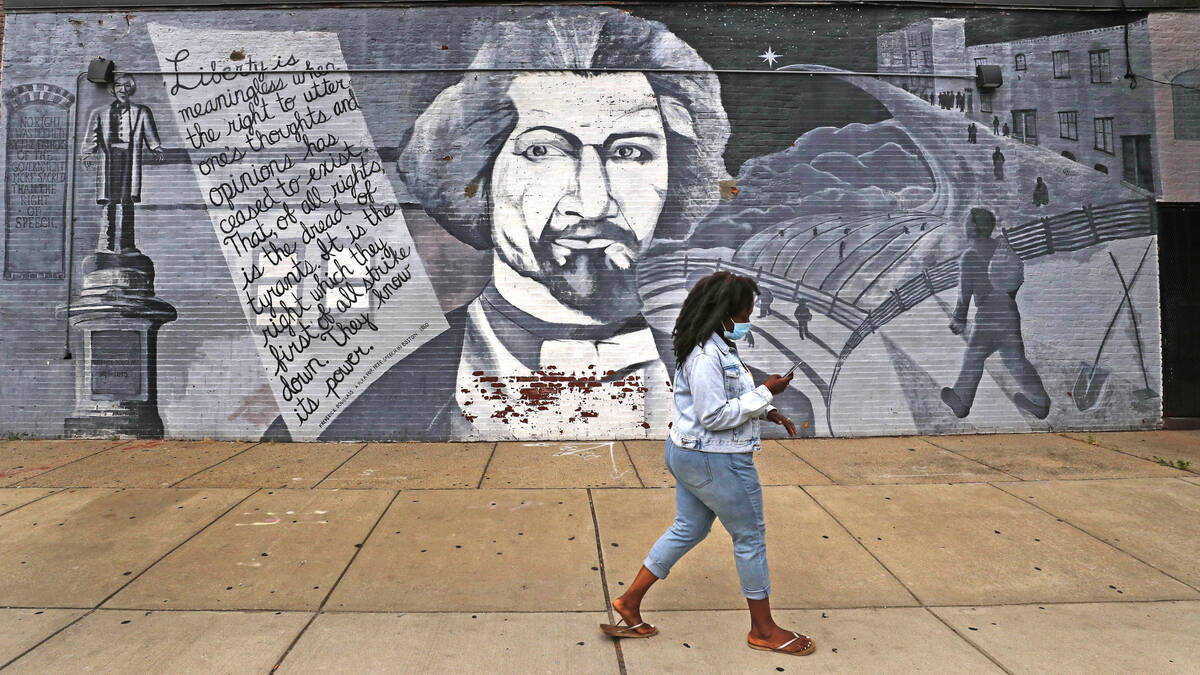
(778, 418)
(777, 384)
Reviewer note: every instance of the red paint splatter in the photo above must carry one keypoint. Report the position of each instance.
(542, 390)
(18, 472)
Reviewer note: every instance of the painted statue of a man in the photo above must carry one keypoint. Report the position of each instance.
(119, 131)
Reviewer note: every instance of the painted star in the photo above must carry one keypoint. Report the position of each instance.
(769, 56)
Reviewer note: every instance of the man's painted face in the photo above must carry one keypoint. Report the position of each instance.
(123, 88)
(578, 186)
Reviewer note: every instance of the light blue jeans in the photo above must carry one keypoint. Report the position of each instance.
(720, 485)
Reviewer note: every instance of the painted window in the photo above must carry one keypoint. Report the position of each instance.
(912, 58)
(1019, 62)
(985, 101)
(1135, 160)
(1068, 125)
(982, 60)
(1103, 128)
(276, 292)
(1101, 65)
(1185, 105)
(927, 58)
(926, 39)
(1062, 64)
(355, 298)
(1024, 126)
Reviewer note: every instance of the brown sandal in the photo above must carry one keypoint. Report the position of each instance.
(618, 631)
(781, 649)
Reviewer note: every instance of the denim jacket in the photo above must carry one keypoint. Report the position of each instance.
(717, 406)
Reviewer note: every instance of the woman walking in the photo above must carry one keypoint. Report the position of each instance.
(710, 454)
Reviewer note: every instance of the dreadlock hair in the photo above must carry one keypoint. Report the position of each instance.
(713, 299)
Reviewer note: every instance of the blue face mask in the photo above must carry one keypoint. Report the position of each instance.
(740, 330)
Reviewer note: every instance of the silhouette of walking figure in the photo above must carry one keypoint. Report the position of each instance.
(764, 301)
(971, 133)
(990, 273)
(814, 231)
(1005, 129)
(998, 164)
(995, 125)
(1041, 193)
(802, 315)
(841, 250)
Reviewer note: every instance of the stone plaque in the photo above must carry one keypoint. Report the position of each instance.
(117, 363)
(35, 176)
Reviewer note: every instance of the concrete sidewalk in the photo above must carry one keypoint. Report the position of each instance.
(1026, 553)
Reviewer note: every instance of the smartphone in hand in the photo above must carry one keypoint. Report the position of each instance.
(791, 371)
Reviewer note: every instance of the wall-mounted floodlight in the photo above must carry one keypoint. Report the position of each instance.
(988, 77)
(100, 70)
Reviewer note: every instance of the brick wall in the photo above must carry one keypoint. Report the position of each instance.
(380, 229)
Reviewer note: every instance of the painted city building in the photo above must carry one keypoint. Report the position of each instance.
(455, 222)
(1062, 91)
(1176, 107)
(1068, 93)
(923, 51)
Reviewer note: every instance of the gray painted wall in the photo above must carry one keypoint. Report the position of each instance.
(848, 198)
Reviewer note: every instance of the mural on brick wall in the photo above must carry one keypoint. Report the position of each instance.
(421, 226)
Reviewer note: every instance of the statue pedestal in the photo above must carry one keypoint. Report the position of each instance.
(118, 317)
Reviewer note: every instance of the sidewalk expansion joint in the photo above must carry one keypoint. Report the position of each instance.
(77, 459)
(863, 546)
(636, 474)
(196, 473)
(806, 463)
(968, 640)
(1099, 539)
(976, 461)
(487, 465)
(340, 465)
(53, 491)
(920, 602)
(1117, 450)
(333, 587)
(132, 579)
(604, 582)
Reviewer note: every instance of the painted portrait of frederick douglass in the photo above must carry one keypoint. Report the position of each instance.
(565, 150)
